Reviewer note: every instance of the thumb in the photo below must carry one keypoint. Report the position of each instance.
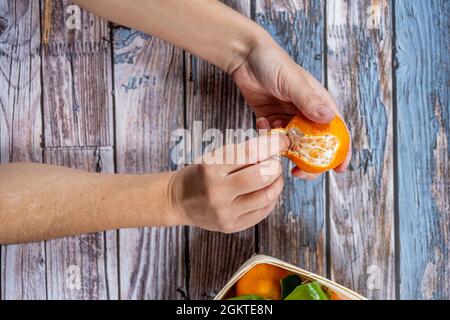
(306, 99)
(234, 157)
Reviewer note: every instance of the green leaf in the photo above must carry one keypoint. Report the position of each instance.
(308, 291)
(247, 297)
(288, 284)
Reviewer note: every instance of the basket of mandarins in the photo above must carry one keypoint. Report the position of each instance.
(267, 278)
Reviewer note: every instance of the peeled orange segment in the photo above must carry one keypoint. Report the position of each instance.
(317, 150)
(316, 147)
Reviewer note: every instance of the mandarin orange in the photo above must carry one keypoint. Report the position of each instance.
(262, 280)
(316, 147)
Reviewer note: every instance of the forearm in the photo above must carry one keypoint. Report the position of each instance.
(41, 202)
(206, 28)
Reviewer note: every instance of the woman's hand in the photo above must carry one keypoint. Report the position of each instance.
(230, 197)
(276, 89)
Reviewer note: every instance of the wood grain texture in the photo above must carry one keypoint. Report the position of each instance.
(213, 99)
(295, 232)
(149, 100)
(423, 130)
(22, 267)
(20, 89)
(82, 267)
(78, 109)
(78, 80)
(362, 200)
(75, 100)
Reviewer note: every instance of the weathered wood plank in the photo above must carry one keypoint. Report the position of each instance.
(359, 37)
(20, 124)
(213, 99)
(83, 267)
(22, 267)
(295, 232)
(77, 88)
(149, 99)
(423, 131)
(78, 109)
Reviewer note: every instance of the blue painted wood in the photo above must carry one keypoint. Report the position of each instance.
(295, 231)
(423, 131)
(359, 38)
(360, 202)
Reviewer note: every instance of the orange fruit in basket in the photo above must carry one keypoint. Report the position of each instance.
(262, 280)
(316, 147)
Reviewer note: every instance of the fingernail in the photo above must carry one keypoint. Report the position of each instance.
(277, 124)
(285, 142)
(262, 123)
(325, 113)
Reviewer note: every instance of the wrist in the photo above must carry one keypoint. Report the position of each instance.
(146, 200)
(176, 215)
(250, 37)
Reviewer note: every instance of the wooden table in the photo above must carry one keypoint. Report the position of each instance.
(107, 99)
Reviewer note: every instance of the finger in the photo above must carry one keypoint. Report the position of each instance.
(278, 109)
(321, 91)
(254, 177)
(298, 173)
(281, 120)
(262, 123)
(279, 124)
(238, 156)
(306, 99)
(260, 198)
(251, 219)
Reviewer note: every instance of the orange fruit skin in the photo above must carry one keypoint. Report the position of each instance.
(262, 280)
(336, 127)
